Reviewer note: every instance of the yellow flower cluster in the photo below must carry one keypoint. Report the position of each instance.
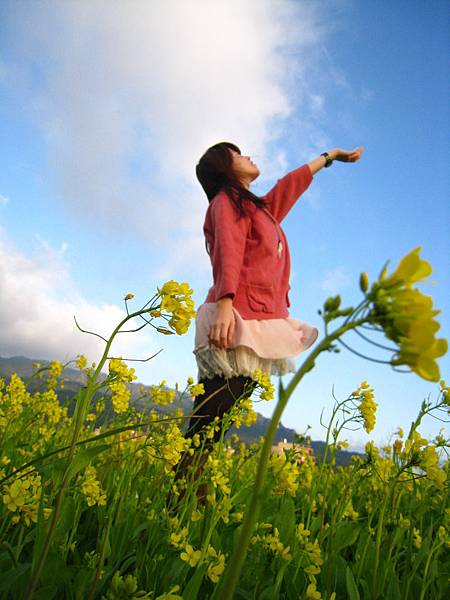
(264, 382)
(120, 396)
(160, 396)
(217, 564)
(176, 299)
(417, 538)
(445, 391)
(243, 413)
(119, 369)
(55, 368)
(286, 474)
(120, 373)
(312, 592)
(47, 404)
(197, 389)
(271, 540)
(407, 316)
(175, 444)
(81, 362)
(214, 559)
(13, 400)
(350, 511)
(429, 461)
(217, 473)
(91, 488)
(368, 406)
(178, 538)
(22, 497)
(190, 555)
(127, 587)
(171, 595)
(315, 558)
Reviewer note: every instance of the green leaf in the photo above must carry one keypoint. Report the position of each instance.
(392, 586)
(285, 519)
(83, 458)
(333, 571)
(345, 535)
(352, 588)
(8, 579)
(192, 588)
(47, 592)
(66, 519)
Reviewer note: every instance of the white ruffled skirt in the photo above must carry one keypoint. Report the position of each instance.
(268, 345)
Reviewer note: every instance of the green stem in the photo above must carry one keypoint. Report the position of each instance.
(79, 415)
(235, 565)
(378, 547)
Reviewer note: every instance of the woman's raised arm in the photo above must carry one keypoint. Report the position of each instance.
(336, 154)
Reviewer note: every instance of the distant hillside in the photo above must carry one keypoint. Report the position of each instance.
(74, 380)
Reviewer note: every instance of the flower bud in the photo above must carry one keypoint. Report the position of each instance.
(363, 282)
(129, 296)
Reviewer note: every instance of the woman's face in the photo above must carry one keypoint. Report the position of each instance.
(244, 169)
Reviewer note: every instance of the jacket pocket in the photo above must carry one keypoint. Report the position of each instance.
(261, 297)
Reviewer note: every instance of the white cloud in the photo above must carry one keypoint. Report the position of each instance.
(335, 280)
(38, 301)
(130, 95)
(3, 200)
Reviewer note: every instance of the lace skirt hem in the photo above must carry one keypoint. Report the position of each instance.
(242, 360)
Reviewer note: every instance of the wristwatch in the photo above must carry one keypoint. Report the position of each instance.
(329, 161)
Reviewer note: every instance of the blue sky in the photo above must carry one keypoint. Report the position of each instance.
(105, 111)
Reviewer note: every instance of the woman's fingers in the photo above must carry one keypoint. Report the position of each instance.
(230, 334)
(221, 335)
(216, 335)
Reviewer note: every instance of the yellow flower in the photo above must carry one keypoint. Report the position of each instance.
(196, 390)
(368, 406)
(91, 488)
(22, 497)
(119, 369)
(302, 533)
(410, 269)
(81, 362)
(129, 296)
(286, 474)
(190, 555)
(263, 379)
(417, 538)
(176, 300)
(407, 316)
(120, 397)
(170, 595)
(55, 368)
(160, 396)
(216, 568)
(312, 593)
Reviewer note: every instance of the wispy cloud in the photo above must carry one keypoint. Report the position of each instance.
(3, 200)
(129, 97)
(335, 280)
(38, 300)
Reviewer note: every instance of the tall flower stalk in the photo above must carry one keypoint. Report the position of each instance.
(392, 306)
(175, 300)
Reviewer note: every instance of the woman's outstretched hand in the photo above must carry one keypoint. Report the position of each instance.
(222, 329)
(348, 155)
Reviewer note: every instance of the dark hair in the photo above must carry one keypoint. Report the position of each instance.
(214, 172)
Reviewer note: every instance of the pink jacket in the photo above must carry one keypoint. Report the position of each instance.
(250, 255)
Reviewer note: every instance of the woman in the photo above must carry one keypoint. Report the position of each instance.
(244, 323)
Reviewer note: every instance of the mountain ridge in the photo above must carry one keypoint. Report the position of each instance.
(74, 379)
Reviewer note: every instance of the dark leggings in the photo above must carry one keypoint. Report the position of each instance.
(219, 404)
